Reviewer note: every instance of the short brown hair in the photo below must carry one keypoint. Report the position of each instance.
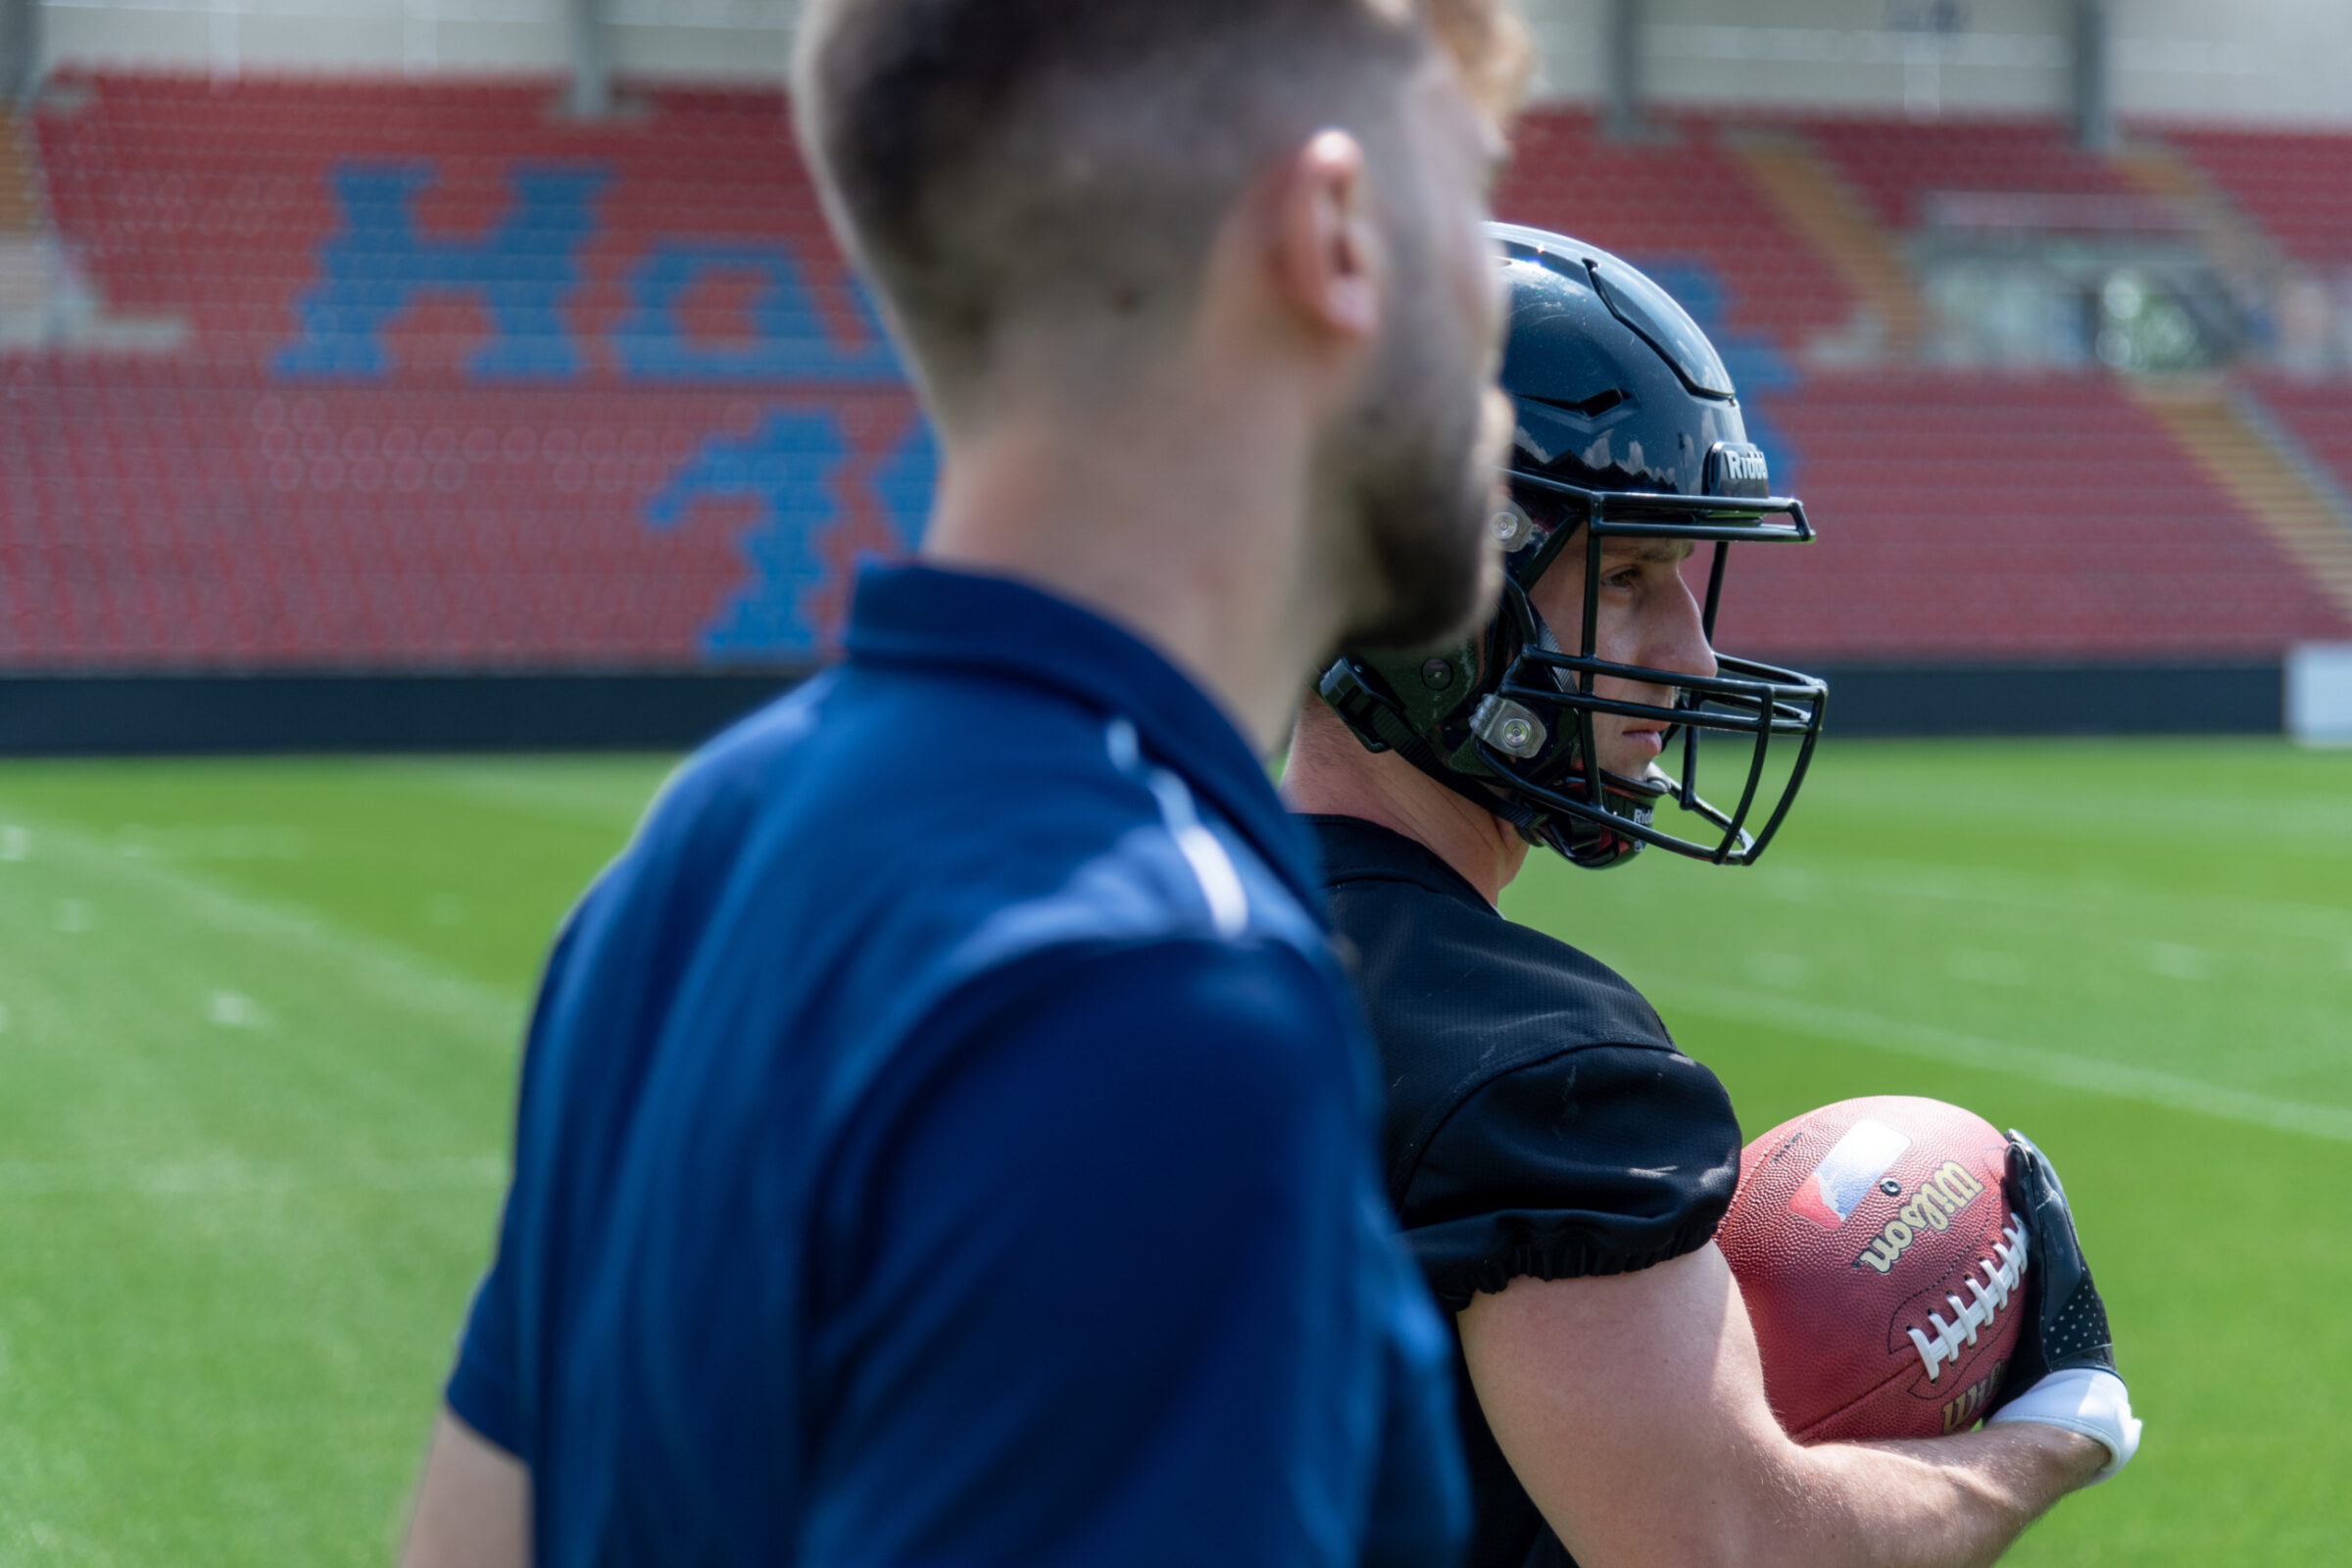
(988, 158)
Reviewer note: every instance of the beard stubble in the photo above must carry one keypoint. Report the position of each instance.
(1419, 461)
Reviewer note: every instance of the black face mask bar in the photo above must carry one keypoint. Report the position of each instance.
(1743, 697)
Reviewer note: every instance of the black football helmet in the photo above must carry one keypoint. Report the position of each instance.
(1627, 427)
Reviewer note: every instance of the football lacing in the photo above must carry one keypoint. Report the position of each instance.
(2002, 1271)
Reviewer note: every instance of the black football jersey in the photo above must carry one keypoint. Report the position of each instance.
(1540, 1121)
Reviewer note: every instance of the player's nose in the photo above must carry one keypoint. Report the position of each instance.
(1677, 638)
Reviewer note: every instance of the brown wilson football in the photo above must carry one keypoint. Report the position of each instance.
(1880, 1267)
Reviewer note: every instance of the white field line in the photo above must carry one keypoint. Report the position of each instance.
(2192, 913)
(2053, 895)
(384, 971)
(2316, 814)
(609, 800)
(2117, 1081)
(228, 1177)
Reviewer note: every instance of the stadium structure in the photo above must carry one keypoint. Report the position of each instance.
(448, 372)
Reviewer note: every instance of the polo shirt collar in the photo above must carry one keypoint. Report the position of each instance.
(961, 621)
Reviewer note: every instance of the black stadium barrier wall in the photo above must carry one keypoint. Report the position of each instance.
(195, 714)
(158, 715)
(2238, 698)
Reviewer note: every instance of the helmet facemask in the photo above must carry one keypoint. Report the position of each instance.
(1533, 729)
(1507, 720)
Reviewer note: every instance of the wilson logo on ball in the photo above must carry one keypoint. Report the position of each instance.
(1941, 1195)
(1907, 1339)
(1851, 1168)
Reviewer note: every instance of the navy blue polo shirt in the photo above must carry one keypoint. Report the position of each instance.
(945, 1138)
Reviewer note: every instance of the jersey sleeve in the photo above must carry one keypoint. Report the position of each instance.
(480, 1388)
(485, 1387)
(1102, 1291)
(1599, 1160)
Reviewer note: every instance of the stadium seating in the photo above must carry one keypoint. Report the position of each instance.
(2318, 415)
(217, 204)
(1897, 166)
(1988, 517)
(463, 384)
(455, 381)
(150, 519)
(2296, 184)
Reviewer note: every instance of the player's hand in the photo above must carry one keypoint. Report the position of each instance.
(2062, 1373)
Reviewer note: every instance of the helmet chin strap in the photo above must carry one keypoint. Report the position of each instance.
(1543, 829)
(1416, 751)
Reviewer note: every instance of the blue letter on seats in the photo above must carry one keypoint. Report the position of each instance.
(521, 272)
(788, 342)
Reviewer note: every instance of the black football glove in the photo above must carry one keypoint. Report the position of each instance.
(2066, 1322)
(2062, 1372)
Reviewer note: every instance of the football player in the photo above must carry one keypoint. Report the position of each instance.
(856, 1214)
(1560, 1168)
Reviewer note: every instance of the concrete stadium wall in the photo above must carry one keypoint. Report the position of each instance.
(720, 41)
(2254, 61)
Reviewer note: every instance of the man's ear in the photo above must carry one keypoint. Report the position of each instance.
(1330, 265)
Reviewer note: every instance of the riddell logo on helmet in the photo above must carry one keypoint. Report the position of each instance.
(1941, 1195)
(1738, 469)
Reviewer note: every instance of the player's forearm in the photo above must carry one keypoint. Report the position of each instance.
(474, 1503)
(1945, 1503)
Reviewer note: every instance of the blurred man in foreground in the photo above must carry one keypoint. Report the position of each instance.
(942, 1134)
(1559, 1166)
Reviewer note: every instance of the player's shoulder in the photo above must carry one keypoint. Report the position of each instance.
(1494, 1037)
(931, 770)
(1251, 1019)
(886, 740)
(1444, 974)
(947, 833)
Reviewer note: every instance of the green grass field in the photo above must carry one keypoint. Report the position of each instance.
(259, 1022)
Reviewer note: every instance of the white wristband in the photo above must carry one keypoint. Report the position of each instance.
(2088, 1400)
